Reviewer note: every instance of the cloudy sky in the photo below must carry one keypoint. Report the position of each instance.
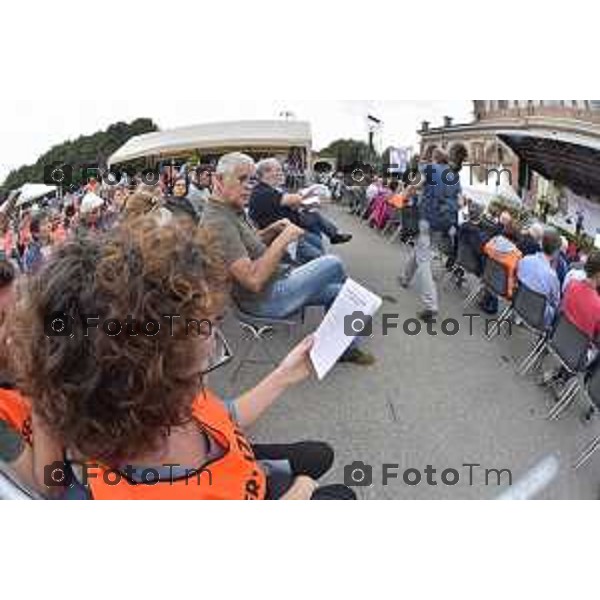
(29, 127)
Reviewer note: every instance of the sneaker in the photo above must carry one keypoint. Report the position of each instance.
(427, 315)
(358, 357)
(340, 238)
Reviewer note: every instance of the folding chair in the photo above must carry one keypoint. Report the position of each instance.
(494, 280)
(530, 306)
(592, 389)
(260, 331)
(569, 345)
(468, 260)
(11, 488)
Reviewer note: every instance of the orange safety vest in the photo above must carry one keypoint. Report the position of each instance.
(235, 476)
(397, 200)
(510, 261)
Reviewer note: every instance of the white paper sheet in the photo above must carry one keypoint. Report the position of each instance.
(331, 339)
(311, 201)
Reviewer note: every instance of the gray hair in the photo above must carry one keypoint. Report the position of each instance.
(228, 163)
(536, 231)
(266, 166)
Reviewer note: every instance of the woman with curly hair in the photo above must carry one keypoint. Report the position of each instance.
(110, 345)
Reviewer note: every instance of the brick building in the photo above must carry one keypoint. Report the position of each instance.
(535, 140)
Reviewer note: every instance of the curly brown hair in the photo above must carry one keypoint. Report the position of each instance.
(112, 397)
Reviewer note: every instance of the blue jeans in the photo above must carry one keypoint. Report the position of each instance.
(316, 283)
(310, 246)
(316, 223)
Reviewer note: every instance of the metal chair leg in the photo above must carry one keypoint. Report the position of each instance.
(256, 340)
(495, 329)
(475, 293)
(531, 358)
(587, 453)
(565, 400)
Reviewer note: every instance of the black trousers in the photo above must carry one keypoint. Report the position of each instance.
(313, 459)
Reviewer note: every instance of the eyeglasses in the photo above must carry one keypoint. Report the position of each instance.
(221, 353)
(250, 180)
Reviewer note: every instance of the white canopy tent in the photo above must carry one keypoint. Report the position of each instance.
(217, 138)
(33, 191)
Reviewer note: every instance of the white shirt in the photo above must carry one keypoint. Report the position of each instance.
(372, 191)
(573, 275)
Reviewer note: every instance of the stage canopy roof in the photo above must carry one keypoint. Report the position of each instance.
(214, 137)
(567, 159)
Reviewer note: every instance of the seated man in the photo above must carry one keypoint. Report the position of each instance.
(268, 204)
(531, 242)
(581, 305)
(581, 302)
(199, 187)
(472, 235)
(262, 284)
(503, 249)
(538, 274)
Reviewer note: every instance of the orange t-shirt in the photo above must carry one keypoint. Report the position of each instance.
(397, 201)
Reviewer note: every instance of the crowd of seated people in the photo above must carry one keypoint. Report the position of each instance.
(144, 250)
(265, 284)
(187, 246)
(136, 408)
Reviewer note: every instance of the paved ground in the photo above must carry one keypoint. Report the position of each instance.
(440, 401)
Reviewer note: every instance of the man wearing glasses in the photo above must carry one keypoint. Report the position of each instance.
(264, 285)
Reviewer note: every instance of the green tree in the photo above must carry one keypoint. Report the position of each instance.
(348, 152)
(92, 149)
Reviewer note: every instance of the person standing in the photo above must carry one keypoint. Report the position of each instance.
(438, 214)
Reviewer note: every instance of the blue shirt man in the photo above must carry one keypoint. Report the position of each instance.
(537, 273)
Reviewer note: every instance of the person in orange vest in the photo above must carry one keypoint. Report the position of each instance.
(503, 249)
(113, 401)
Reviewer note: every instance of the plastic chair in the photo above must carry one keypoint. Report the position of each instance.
(469, 261)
